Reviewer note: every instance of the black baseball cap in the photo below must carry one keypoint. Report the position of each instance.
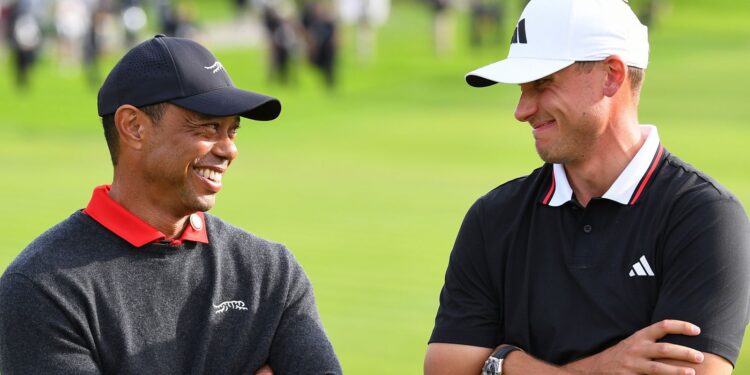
(182, 72)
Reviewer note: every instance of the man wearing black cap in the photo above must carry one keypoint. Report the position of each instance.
(615, 256)
(143, 280)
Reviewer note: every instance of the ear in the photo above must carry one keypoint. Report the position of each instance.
(616, 74)
(131, 126)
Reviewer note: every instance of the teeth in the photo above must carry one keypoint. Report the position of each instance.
(209, 174)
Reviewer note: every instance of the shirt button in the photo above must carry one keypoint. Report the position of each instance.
(196, 222)
(587, 228)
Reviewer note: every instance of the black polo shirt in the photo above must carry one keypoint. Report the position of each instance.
(533, 268)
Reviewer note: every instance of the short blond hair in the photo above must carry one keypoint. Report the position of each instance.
(635, 75)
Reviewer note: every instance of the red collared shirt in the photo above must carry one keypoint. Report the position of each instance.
(131, 228)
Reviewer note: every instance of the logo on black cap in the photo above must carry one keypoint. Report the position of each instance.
(216, 67)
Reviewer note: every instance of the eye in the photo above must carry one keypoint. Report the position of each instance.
(210, 128)
(543, 82)
(206, 130)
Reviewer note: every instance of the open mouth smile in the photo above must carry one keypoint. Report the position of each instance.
(210, 177)
(209, 174)
(542, 126)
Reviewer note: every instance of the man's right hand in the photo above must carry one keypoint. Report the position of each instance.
(642, 354)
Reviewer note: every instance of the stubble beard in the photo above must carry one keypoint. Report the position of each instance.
(568, 149)
(194, 202)
(188, 199)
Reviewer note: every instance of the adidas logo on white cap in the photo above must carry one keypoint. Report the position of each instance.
(519, 34)
(553, 34)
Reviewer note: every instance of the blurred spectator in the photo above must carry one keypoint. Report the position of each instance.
(366, 16)
(92, 43)
(321, 32)
(24, 31)
(486, 23)
(282, 43)
(134, 19)
(248, 10)
(167, 14)
(442, 29)
(72, 20)
(240, 6)
(175, 20)
(4, 15)
(649, 11)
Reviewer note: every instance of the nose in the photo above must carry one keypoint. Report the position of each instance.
(226, 148)
(527, 105)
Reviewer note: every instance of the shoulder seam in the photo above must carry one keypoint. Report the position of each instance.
(670, 160)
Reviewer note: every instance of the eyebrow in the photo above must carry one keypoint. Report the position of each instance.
(205, 117)
(545, 78)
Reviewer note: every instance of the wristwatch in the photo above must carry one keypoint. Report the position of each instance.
(494, 364)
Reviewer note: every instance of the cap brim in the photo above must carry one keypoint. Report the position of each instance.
(231, 101)
(514, 71)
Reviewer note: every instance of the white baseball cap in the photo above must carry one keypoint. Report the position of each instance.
(553, 34)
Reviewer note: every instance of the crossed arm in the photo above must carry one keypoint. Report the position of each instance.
(638, 354)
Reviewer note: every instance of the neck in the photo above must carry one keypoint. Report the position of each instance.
(135, 201)
(594, 174)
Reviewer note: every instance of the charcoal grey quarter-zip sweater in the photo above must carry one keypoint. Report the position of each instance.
(81, 300)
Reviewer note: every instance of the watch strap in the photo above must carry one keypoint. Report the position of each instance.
(504, 350)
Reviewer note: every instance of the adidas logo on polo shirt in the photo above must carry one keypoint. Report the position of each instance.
(641, 268)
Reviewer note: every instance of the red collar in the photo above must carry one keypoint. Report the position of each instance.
(131, 228)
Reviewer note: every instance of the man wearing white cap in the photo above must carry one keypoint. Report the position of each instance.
(615, 256)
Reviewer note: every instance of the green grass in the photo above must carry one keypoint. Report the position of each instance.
(368, 184)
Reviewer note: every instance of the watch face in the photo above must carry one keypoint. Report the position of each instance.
(491, 366)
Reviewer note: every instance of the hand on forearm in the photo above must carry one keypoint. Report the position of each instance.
(642, 354)
(638, 354)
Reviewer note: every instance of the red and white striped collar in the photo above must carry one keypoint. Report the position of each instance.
(628, 186)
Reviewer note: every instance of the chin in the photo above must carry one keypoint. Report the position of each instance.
(202, 203)
(193, 200)
(206, 206)
(545, 155)
(552, 159)
(551, 155)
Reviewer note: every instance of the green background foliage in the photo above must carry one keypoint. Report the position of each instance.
(368, 184)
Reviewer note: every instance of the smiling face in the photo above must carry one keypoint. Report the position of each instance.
(566, 113)
(184, 159)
